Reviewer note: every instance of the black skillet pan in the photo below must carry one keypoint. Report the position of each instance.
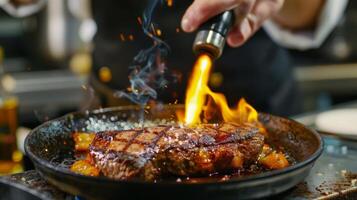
(51, 148)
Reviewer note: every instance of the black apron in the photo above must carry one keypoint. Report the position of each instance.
(259, 71)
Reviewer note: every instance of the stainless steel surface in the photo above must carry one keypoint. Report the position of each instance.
(210, 42)
(334, 175)
(64, 28)
(322, 85)
(29, 185)
(44, 93)
(335, 79)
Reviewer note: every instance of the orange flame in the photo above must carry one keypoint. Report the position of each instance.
(197, 93)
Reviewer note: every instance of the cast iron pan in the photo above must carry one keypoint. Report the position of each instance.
(51, 148)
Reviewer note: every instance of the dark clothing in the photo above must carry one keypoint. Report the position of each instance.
(259, 71)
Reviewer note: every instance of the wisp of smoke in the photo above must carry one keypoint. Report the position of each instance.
(147, 73)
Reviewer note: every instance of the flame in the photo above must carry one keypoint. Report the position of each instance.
(198, 91)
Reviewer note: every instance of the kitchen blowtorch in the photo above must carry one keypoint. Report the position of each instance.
(211, 37)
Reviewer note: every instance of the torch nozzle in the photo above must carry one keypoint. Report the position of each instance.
(211, 37)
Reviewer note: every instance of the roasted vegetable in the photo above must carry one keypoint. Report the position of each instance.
(272, 159)
(84, 167)
(83, 140)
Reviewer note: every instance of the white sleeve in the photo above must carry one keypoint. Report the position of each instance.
(331, 13)
(21, 11)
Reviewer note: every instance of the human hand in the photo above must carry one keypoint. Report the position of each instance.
(250, 15)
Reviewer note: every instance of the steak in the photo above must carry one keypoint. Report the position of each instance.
(150, 153)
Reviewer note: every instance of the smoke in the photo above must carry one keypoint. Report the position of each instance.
(147, 73)
(41, 116)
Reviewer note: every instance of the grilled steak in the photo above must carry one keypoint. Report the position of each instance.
(152, 152)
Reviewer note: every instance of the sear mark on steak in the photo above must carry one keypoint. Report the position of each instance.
(150, 153)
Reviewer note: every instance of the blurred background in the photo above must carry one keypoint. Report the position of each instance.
(45, 66)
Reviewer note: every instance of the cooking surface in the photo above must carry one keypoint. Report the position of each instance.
(333, 177)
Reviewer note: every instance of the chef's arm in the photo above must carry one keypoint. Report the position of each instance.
(251, 14)
(299, 14)
(22, 2)
(318, 19)
(22, 8)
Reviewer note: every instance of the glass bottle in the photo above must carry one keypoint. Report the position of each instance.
(10, 156)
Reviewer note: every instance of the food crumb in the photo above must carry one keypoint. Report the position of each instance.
(344, 150)
(343, 172)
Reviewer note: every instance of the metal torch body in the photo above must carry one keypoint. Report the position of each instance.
(211, 37)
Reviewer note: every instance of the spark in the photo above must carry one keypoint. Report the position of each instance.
(170, 3)
(122, 37)
(131, 37)
(158, 32)
(140, 21)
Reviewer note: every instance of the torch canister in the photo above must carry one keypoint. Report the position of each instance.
(211, 37)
